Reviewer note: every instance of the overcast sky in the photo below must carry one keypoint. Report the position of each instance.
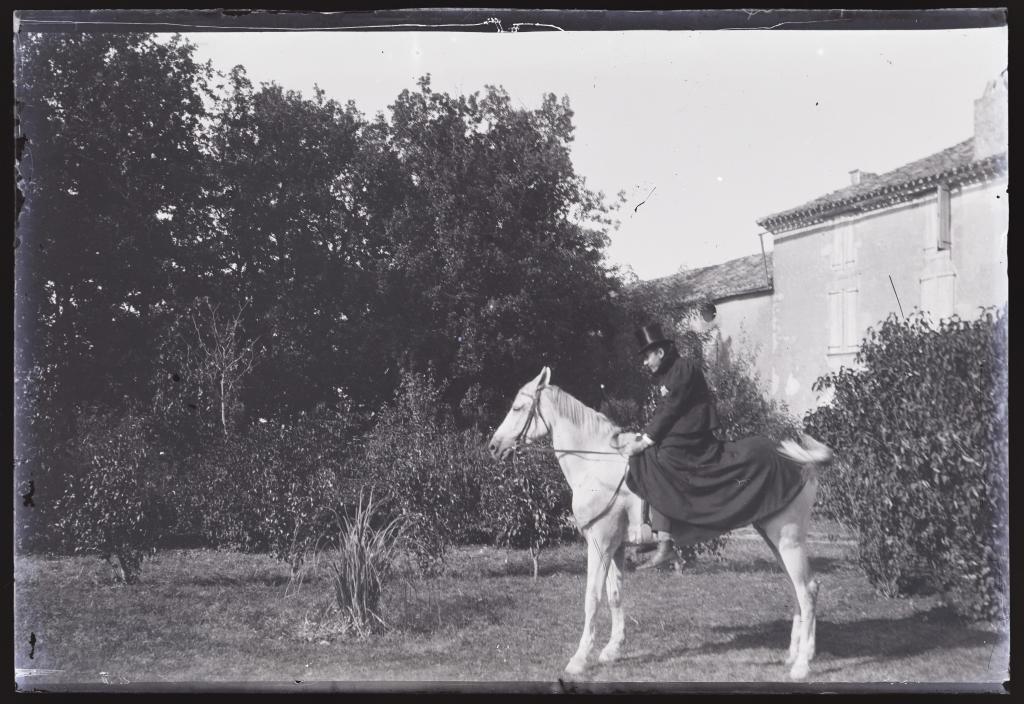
(710, 130)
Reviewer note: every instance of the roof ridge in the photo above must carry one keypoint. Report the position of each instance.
(957, 159)
(732, 277)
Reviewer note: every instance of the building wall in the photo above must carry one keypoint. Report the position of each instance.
(980, 225)
(899, 242)
(742, 325)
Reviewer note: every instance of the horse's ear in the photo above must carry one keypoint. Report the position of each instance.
(545, 376)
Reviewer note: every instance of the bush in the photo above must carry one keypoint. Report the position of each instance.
(744, 410)
(922, 427)
(113, 505)
(528, 503)
(427, 470)
(267, 490)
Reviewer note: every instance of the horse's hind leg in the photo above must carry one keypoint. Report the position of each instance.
(613, 589)
(794, 635)
(788, 532)
(794, 555)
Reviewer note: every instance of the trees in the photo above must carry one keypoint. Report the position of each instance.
(287, 235)
(110, 171)
(110, 174)
(205, 359)
(451, 236)
(491, 246)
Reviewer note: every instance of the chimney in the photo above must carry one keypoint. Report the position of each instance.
(990, 119)
(855, 177)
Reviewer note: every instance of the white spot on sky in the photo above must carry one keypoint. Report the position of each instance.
(821, 51)
(719, 179)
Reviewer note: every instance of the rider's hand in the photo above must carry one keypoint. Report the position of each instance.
(635, 445)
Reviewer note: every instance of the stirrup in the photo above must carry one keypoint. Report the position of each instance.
(644, 538)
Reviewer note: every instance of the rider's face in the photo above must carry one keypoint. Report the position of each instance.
(652, 359)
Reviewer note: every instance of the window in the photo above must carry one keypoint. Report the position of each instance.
(843, 250)
(843, 333)
(943, 231)
(938, 295)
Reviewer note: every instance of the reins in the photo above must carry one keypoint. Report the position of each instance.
(535, 411)
(557, 450)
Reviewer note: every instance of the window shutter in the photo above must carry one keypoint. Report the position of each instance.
(943, 231)
(837, 247)
(835, 321)
(848, 248)
(850, 318)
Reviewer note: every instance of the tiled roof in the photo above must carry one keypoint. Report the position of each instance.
(955, 165)
(732, 278)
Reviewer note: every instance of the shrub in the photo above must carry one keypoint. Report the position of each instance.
(112, 506)
(266, 490)
(744, 410)
(528, 503)
(427, 470)
(922, 427)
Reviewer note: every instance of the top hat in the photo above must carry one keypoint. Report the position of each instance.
(650, 336)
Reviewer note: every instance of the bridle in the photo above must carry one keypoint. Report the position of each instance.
(535, 412)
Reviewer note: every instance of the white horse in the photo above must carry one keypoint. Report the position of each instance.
(608, 513)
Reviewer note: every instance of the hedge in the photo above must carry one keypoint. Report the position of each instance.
(920, 426)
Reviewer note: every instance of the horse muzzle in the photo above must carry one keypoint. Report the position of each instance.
(500, 450)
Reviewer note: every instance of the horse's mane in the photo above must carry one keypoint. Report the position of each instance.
(587, 418)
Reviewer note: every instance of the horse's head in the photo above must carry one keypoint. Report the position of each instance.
(523, 421)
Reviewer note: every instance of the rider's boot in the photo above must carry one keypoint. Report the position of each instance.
(664, 556)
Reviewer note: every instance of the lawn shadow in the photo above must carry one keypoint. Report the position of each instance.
(760, 565)
(578, 566)
(413, 609)
(226, 580)
(523, 567)
(872, 639)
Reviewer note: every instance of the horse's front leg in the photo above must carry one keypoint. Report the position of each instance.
(613, 588)
(598, 561)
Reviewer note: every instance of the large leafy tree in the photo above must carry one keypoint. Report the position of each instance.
(288, 238)
(113, 192)
(110, 154)
(492, 246)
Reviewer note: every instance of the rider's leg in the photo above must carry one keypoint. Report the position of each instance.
(662, 526)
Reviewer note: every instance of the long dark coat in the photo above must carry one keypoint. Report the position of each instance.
(706, 486)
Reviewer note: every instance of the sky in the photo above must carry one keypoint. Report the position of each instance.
(705, 132)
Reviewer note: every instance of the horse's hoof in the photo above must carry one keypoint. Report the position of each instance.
(799, 671)
(575, 667)
(609, 655)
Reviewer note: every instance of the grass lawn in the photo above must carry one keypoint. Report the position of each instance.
(205, 616)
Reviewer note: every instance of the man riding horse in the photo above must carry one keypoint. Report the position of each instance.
(697, 486)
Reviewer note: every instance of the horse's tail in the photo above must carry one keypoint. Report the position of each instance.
(809, 452)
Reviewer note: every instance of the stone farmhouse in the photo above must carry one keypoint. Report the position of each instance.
(929, 235)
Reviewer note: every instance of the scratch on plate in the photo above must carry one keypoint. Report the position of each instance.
(645, 199)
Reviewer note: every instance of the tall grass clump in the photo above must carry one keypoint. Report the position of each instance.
(364, 548)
